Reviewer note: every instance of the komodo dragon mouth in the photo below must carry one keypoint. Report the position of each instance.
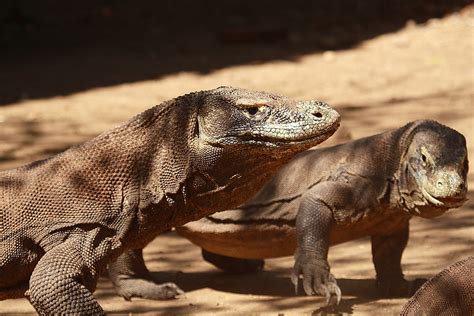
(449, 202)
(278, 135)
(430, 205)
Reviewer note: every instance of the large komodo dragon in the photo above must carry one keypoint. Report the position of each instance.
(367, 187)
(450, 292)
(63, 219)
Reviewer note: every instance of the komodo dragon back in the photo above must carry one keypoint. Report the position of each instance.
(450, 292)
(63, 219)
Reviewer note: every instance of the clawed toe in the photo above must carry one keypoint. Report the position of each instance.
(144, 288)
(170, 290)
(317, 281)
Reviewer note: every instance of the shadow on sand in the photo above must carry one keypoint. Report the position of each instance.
(51, 48)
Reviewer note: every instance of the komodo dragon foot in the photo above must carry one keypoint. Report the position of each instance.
(131, 278)
(128, 287)
(316, 279)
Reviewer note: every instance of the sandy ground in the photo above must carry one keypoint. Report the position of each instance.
(420, 71)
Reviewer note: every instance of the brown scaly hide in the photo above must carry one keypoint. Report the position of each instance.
(450, 292)
(64, 218)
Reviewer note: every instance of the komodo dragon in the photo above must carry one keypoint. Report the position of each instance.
(63, 219)
(367, 187)
(450, 292)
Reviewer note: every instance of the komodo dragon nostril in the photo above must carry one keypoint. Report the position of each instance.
(461, 187)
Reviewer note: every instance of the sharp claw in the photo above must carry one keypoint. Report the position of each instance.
(307, 288)
(294, 280)
(338, 295)
(327, 294)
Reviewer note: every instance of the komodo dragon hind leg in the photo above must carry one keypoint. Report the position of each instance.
(233, 265)
(387, 255)
(131, 278)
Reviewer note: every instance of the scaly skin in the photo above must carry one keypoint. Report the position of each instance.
(62, 220)
(367, 187)
(450, 292)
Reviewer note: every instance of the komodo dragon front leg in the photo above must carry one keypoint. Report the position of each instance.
(313, 225)
(65, 277)
(131, 278)
(321, 207)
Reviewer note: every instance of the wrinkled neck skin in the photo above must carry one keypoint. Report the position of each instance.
(210, 178)
(233, 180)
(205, 191)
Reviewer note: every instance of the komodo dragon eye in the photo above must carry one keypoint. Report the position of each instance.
(252, 111)
(426, 157)
(256, 112)
(252, 107)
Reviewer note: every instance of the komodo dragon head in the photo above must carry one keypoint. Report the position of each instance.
(246, 136)
(436, 169)
(270, 122)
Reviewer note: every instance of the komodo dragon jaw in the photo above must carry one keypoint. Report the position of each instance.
(436, 168)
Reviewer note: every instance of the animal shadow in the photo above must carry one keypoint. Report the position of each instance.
(274, 284)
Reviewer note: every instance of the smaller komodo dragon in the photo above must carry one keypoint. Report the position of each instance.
(450, 292)
(63, 219)
(367, 187)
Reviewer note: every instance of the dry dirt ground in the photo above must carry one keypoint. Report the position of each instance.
(418, 71)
